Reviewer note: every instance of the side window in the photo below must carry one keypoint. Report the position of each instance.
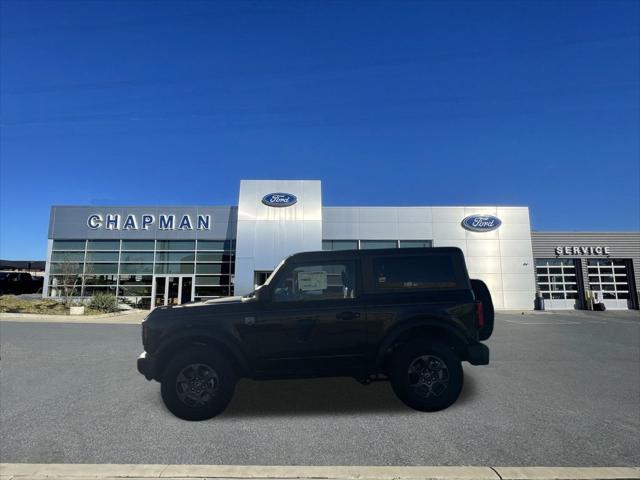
(414, 272)
(330, 281)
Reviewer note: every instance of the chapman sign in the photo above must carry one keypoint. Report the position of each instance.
(587, 250)
(144, 222)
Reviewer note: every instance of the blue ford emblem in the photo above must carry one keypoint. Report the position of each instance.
(481, 223)
(279, 199)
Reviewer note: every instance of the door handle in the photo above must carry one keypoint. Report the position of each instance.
(348, 315)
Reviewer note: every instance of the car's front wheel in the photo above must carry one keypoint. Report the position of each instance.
(426, 376)
(197, 384)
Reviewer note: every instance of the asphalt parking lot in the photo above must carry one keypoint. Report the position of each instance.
(562, 389)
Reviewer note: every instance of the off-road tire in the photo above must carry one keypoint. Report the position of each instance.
(408, 359)
(211, 404)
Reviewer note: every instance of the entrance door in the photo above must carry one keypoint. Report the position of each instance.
(172, 290)
(259, 277)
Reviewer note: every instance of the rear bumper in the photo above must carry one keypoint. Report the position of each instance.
(145, 366)
(478, 354)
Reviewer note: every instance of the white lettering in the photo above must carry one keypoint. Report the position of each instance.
(130, 223)
(204, 222)
(185, 223)
(113, 222)
(166, 222)
(146, 221)
(94, 221)
(482, 222)
(583, 250)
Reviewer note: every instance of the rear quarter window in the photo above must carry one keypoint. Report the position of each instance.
(414, 272)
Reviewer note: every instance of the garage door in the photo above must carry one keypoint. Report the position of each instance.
(557, 283)
(610, 280)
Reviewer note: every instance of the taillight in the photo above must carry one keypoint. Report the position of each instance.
(479, 315)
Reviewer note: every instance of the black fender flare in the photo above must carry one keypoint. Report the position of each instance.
(228, 345)
(418, 322)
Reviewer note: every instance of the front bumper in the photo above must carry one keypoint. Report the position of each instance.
(478, 354)
(145, 366)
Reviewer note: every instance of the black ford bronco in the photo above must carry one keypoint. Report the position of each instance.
(410, 316)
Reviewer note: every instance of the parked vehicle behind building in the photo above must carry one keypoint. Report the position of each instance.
(409, 316)
(18, 283)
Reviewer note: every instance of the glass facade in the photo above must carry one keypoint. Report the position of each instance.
(371, 244)
(128, 268)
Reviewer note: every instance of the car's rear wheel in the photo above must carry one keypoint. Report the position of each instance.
(426, 376)
(197, 384)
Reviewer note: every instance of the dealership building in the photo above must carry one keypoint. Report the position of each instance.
(167, 255)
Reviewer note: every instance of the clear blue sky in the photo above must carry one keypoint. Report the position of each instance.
(388, 103)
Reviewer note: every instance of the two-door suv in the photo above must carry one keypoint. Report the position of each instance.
(410, 316)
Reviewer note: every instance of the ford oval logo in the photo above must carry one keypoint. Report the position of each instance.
(481, 223)
(279, 199)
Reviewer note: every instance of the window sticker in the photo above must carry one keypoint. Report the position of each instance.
(312, 281)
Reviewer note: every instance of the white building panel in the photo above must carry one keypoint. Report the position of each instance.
(379, 231)
(514, 231)
(513, 214)
(483, 248)
(479, 211)
(521, 265)
(484, 264)
(415, 214)
(341, 231)
(518, 300)
(447, 214)
(493, 280)
(448, 230)
(415, 231)
(451, 242)
(378, 214)
(517, 282)
(266, 234)
(482, 235)
(340, 214)
(516, 248)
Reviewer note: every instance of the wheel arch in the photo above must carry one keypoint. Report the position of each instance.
(428, 328)
(176, 344)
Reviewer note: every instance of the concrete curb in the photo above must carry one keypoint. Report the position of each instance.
(129, 317)
(24, 471)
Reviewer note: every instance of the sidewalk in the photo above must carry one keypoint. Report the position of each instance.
(127, 317)
(22, 471)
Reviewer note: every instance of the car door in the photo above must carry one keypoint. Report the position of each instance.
(313, 325)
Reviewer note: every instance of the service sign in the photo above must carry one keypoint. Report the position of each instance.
(583, 250)
(481, 223)
(279, 199)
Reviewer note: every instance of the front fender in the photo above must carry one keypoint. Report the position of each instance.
(222, 340)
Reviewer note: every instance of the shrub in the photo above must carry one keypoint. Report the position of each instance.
(104, 302)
